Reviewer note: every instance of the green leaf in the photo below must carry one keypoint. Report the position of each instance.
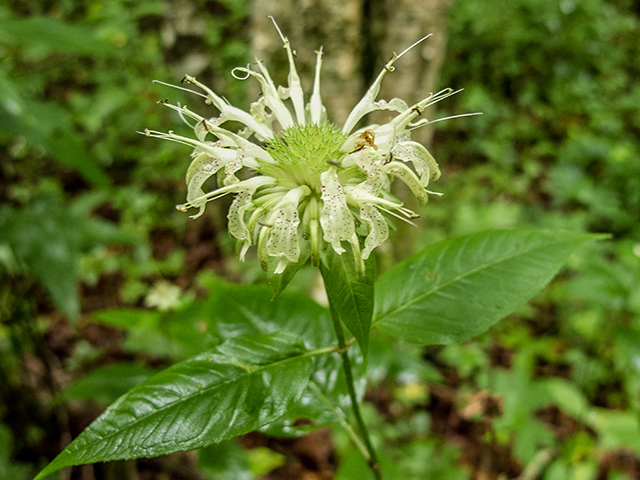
(351, 296)
(47, 238)
(567, 396)
(456, 289)
(104, 385)
(320, 401)
(242, 385)
(52, 35)
(234, 310)
(49, 126)
(9, 468)
(616, 429)
(47, 241)
(279, 282)
(128, 318)
(225, 461)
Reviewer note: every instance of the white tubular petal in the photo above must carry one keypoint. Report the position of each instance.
(229, 112)
(367, 103)
(404, 173)
(424, 163)
(200, 170)
(360, 196)
(237, 226)
(206, 165)
(244, 250)
(232, 167)
(232, 139)
(200, 201)
(402, 121)
(335, 218)
(282, 264)
(295, 87)
(316, 109)
(283, 239)
(210, 148)
(378, 229)
(385, 138)
(271, 97)
(369, 161)
(258, 111)
(395, 105)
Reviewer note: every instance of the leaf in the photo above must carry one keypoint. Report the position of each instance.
(52, 35)
(242, 385)
(146, 331)
(351, 296)
(49, 126)
(128, 318)
(234, 310)
(567, 396)
(225, 461)
(456, 289)
(279, 282)
(48, 237)
(616, 429)
(320, 400)
(104, 385)
(47, 241)
(8, 467)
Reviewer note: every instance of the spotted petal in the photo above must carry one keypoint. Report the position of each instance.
(404, 173)
(336, 218)
(237, 226)
(200, 170)
(423, 161)
(283, 241)
(378, 229)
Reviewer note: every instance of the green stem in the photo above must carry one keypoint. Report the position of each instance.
(372, 459)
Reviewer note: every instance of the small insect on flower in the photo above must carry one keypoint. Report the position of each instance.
(312, 185)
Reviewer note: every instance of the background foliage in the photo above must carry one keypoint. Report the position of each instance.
(87, 225)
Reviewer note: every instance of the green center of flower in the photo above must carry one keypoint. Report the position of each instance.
(302, 153)
(309, 146)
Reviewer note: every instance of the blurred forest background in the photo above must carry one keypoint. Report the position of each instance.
(102, 281)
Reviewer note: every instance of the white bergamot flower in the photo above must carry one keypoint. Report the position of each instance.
(312, 184)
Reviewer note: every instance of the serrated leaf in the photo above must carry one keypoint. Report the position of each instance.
(242, 385)
(351, 296)
(456, 289)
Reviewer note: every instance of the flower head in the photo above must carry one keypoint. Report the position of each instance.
(311, 184)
